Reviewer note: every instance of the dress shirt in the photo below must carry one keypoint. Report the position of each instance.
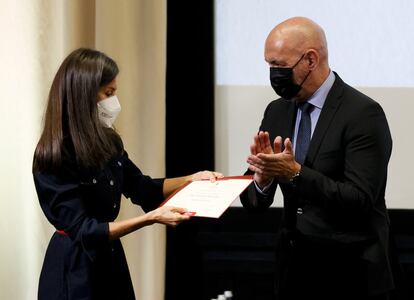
(317, 100)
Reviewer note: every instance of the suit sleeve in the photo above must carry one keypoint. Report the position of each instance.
(251, 198)
(61, 202)
(367, 149)
(255, 201)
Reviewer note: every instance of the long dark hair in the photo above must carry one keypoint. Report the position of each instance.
(71, 118)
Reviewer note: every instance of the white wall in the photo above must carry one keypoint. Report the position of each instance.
(36, 36)
(370, 45)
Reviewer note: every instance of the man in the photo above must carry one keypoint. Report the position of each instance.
(327, 147)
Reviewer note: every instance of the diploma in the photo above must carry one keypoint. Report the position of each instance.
(204, 198)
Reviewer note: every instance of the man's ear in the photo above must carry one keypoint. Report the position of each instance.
(312, 59)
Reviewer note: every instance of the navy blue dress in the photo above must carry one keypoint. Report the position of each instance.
(83, 263)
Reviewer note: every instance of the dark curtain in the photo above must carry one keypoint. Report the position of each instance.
(189, 128)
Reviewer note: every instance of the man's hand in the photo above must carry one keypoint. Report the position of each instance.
(281, 165)
(261, 144)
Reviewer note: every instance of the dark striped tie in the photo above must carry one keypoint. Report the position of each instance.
(304, 133)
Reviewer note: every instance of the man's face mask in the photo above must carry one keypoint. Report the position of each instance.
(282, 82)
(108, 110)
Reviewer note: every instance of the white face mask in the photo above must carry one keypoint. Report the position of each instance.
(108, 110)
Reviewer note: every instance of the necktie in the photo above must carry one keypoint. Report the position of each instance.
(304, 133)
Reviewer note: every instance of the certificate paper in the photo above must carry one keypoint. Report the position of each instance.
(209, 199)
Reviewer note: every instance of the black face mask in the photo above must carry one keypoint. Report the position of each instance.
(282, 82)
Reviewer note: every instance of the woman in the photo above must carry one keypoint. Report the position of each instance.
(80, 170)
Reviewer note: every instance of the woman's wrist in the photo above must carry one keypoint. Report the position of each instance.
(150, 218)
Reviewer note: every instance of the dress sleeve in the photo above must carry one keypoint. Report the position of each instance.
(141, 189)
(61, 202)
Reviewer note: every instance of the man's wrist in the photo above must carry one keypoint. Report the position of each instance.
(262, 183)
(263, 189)
(298, 168)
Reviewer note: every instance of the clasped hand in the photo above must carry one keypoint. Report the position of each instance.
(268, 162)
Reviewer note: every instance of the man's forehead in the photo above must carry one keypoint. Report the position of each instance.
(277, 51)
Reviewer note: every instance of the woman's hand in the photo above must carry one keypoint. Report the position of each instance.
(204, 175)
(172, 184)
(167, 215)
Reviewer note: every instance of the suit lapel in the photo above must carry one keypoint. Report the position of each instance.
(291, 110)
(329, 109)
(284, 121)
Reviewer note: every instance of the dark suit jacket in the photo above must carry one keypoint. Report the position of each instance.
(340, 190)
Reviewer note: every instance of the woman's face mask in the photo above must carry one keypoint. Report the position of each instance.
(108, 110)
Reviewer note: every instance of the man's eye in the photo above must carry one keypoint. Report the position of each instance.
(109, 94)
